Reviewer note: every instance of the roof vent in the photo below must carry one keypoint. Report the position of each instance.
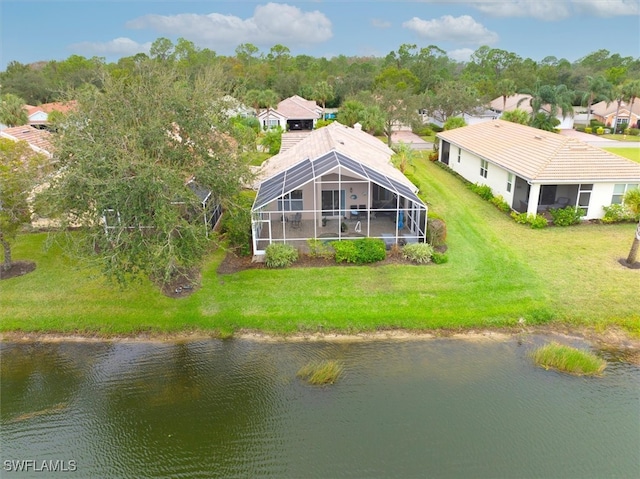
(537, 137)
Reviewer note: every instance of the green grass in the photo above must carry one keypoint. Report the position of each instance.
(630, 153)
(498, 272)
(569, 360)
(320, 373)
(619, 137)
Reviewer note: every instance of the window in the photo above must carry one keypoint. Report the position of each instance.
(509, 182)
(291, 201)
(584, 197)
(619, 192)
(459, 154)
(484, 168)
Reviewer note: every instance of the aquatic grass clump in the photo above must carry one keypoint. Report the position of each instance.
(569, 360)
(320, 373)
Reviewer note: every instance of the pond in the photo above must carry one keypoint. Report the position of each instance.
(444, 408)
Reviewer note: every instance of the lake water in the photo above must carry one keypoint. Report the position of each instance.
(442, 408)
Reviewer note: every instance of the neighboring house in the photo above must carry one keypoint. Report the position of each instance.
(523, 102)
(337, 183)
(294, 113)
(38, 140)
(39, 115)
(534, 170)
(606, 113)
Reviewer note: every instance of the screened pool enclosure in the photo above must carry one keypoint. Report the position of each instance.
(335, 197)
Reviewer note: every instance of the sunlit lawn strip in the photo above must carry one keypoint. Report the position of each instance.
(498, 272)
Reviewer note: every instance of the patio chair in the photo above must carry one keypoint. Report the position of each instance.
(561, 202)
(354, 214)
(296, 220)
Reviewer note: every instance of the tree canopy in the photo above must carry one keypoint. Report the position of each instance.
(133, 157)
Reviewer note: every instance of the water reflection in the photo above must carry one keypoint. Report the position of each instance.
(436, 408)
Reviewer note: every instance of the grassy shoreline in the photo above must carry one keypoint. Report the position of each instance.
(499, 274)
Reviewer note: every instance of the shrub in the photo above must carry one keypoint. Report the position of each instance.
(566, 216)
(500, 203)
(322, 123)
(413, 180)
(633, 131)
(236, 223)
(319, 249)
(420, 253)
(588, 129)
(483, 191)
(568, 359)
(439, 258)
(600, 131)
(280, 255)
(618, 213)
(433, 156)
(534, 221)
(360, 251)
(320, 373)
(272, 140)
(436, 231)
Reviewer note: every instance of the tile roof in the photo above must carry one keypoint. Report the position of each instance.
(354, 144)
(40, 140)
(298, 108)
(541, 156)
(604, 109)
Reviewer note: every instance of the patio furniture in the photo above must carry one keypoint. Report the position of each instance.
(561, 202)
(296, 220)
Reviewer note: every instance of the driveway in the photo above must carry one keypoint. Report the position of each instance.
(410, 138)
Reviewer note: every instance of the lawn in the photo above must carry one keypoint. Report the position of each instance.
(498, 272)
(630, 153)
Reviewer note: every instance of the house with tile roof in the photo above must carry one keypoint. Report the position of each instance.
(338, 183)
(534, 170)
(39, 140)
(523, 102)
(39, 115)
(627, 114)
(294, 113)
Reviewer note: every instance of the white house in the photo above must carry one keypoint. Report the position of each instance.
(337, 183)
(293, 113)
(534, 170)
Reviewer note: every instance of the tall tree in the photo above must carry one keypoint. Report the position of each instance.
(20, 171)
(323, 92)
(632, 201)
(127, 155)
(632, 92)
(550, 101)
(506, 88)
(450, 99)
(597, 88)
(12, 110)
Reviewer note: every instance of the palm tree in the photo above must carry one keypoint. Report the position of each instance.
(549, 100)
(618, 97)
(506, 88)
(403, 157)
(632, 201)
(597, 87)
(12, 111)
(632, 91)
(323, 92)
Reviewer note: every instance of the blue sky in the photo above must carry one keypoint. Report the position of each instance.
(55, 29)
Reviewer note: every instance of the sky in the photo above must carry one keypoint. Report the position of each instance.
(42, 30)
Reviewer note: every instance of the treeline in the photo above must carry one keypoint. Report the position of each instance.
(488, 74)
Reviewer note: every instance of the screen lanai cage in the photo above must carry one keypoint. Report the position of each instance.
(334, 197)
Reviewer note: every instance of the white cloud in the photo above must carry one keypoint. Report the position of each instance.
(609, 8)
(117, 47)
(377, 23)
(551, 9)
(461, 55)
(463, 29)
(270, 24)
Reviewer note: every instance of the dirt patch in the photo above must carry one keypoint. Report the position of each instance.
(18, 268)
(184, 283)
